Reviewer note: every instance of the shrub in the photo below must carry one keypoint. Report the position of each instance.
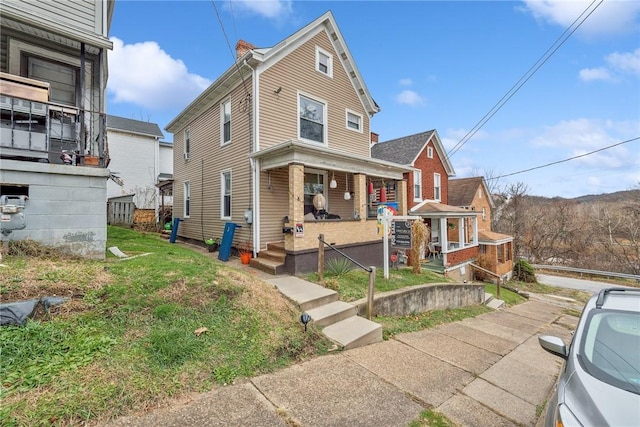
(524, 272)
(338, 266)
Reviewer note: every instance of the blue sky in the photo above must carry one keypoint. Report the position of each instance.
(429, 65)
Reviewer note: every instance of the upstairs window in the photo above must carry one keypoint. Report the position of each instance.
(436, 187)
(225, 195)
(312, 119)
(187, 143)
(63, 79)
(324, 62)
(417, 186)
(354, 121)
(225, 125)
(430, 152)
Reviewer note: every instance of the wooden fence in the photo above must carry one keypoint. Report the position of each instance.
(120, 213)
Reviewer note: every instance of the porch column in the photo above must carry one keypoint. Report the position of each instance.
(401, 197)
(296, 201)
(360, 195)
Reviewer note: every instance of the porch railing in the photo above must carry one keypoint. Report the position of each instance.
(51, 133)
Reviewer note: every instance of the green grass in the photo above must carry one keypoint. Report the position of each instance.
(509, 297)
(540, 288)
(430, 418)
(353, 285)
(126, 340)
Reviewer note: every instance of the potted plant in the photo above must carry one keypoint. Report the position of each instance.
(212, 244)
(245, 253)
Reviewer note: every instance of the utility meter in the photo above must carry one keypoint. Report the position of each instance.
(11, 215)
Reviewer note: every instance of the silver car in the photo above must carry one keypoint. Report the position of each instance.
(600, 382)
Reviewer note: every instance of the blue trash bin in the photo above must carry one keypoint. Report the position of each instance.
(174, 230)
(227, 241)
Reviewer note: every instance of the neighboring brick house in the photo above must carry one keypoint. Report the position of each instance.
(496, 249)
(454, 231)
(280, 145)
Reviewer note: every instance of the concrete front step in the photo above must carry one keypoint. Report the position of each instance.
(331, 313)
(487, 297)
(306, 294)
(273, 255)
(266, 265)
(354, 332)
(492, 302)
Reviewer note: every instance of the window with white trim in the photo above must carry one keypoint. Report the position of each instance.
(312, 119)
(354, 121)
(436, 187)
(225, 122)
(430, 152)
(479, 193)
(187, 143)
(417, 186)
(484, 214)
(324, 62)
(225, 194)
(187, 199)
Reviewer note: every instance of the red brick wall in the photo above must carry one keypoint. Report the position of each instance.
(457, 257)
(428, 167)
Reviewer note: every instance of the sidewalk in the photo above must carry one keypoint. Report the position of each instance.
(484, 371)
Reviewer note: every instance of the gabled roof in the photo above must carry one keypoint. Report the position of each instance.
(134, 126)
(463, 190)
(264, 57)
(405, 150)
(434, 209)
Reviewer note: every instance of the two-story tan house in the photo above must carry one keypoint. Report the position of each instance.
(279, 145)
(496, 249)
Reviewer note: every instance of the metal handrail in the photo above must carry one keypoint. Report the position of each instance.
(367, 269)
(586, 271)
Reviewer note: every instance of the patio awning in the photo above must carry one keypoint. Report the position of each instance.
(440, 210)
(319, 157)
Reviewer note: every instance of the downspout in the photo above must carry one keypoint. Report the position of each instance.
(255, 171)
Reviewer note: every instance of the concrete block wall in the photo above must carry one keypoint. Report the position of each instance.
(66, 208)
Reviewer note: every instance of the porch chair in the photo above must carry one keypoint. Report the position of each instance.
(433, 251)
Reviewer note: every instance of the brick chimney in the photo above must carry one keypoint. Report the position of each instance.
(374, 138)
(242, 47)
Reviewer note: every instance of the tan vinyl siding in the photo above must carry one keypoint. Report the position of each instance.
(296, 72)
(84, 15)
(274, 205)
(207, 160)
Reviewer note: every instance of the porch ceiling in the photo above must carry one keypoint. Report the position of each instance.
(64, 36)
(319, 157)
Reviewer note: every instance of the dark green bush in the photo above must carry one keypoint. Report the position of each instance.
(524, 272)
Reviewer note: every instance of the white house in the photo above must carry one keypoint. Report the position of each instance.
(139, 160)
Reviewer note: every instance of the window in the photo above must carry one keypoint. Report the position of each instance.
(63, 79)
(430, 152)
(187, 143)
(479, 193)
(225, 195)
(225, 125)
(436, 187)
(187, 199)
(324, 62)
(312, 119)
(500, 253)
(313, 184)
(484, 214)
(354, 121)
(417, 186)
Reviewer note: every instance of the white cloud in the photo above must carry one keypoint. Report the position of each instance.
(409, 97)
(271, 9)
(145, 75)
(611, 17)
(405, 82)
(590, 74)
(628, 62)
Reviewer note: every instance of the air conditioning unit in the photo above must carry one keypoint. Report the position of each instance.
(186, 156)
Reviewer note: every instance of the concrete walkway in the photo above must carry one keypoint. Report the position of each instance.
(485, 371)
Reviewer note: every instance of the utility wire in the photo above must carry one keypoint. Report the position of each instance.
(565, 160)
(534, 68)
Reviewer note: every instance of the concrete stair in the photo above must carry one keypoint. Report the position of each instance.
(492, 302)
(270, 260)
(339, 320)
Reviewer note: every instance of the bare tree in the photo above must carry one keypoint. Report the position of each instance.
(511, 218)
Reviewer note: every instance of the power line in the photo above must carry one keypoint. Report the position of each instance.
(530, 72)
(565, 160)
